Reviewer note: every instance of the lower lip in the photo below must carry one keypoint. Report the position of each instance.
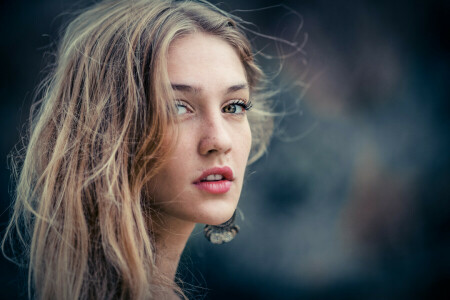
(214, 187)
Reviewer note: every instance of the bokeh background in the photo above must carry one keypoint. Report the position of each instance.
(352, 199)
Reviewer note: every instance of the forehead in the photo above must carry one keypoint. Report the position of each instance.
(204, 60)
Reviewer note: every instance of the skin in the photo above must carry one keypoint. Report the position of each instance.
(207, 76)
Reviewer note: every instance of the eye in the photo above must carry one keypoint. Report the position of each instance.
(182, 107)
(237, 107)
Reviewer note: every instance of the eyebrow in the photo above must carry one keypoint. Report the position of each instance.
(196, 90)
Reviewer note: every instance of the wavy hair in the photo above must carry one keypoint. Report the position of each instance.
(99, 131)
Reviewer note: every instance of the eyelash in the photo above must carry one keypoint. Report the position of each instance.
(245, 105)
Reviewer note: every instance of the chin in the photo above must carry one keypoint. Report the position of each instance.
(218, 213)
(218, 219)
(212, 213)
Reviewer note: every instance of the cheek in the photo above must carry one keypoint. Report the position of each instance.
(245, 141)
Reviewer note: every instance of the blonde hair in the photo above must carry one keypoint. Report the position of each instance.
(99, 132)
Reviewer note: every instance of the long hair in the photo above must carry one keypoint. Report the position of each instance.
(100, 130)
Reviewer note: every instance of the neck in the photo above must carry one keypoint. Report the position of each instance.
(171, 235)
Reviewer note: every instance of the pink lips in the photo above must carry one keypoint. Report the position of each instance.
(215, 187)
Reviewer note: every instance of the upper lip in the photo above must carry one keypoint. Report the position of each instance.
(226, 172)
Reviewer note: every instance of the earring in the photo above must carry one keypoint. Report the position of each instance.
(223, 233)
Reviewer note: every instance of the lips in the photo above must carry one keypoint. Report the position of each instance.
(215, 180)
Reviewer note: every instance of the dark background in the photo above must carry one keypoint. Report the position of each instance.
(352, 200)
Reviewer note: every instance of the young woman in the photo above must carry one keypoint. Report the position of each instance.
(143, 129)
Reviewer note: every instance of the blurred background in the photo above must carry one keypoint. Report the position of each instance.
(352, 199)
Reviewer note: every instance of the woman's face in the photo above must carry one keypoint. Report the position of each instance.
(203, 178)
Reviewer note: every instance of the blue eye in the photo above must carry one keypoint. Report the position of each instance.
(237, 107)
(181, 107)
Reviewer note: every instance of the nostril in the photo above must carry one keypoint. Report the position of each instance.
(211, 145)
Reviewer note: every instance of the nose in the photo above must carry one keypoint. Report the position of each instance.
(216, 137)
